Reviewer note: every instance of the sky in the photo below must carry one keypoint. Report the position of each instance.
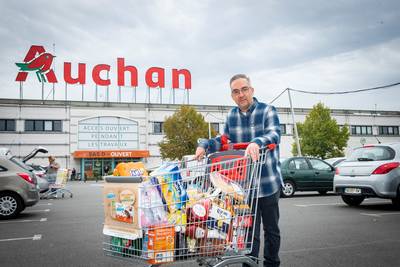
(323, 46)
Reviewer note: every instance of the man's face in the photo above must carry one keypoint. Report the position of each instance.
(242, 93)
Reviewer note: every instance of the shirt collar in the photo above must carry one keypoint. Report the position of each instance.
(251, 108)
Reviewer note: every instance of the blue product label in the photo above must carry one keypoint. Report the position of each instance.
(110, 195)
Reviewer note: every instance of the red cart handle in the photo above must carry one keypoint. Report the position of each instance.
(225, 145)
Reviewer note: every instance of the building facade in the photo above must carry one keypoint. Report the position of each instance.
(94, 136)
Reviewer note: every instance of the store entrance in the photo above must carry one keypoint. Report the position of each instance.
(95, 169)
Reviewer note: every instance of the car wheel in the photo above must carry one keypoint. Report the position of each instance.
(10, 205)
(396, 201)
(322, 192)
(288, 189)
(353, 200)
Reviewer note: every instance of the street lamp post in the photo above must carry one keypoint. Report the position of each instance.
(296, 133)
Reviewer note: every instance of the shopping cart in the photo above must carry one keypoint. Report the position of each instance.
(59, 187)
(207, 217)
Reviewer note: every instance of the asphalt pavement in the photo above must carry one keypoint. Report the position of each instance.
(316, 231)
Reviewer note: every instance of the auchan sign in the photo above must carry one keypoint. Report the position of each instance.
(38, 61)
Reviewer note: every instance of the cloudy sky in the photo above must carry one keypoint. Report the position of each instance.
(323, 46)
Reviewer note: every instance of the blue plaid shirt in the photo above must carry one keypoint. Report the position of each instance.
(260, 124)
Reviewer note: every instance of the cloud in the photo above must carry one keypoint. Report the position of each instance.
(304, 44)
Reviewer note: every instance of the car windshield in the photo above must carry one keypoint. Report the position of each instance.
(20, 163)
(372, 153)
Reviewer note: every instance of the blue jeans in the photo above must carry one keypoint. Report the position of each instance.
(268, 212)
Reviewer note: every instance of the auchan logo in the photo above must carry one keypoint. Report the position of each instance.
(38, 61)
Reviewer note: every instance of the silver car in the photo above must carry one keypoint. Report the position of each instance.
(18, 186)
(370, 171)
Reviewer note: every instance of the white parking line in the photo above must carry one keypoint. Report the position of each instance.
(46, 210)
(340, 246)
(24, 221)
(380, 214)
(44, 204)
(311, 205)
(34, 238)
(334, 204)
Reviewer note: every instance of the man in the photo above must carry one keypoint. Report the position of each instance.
(257, 123)
(52, 169)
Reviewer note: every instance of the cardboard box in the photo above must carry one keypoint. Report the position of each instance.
(121, 210)
(161, 244)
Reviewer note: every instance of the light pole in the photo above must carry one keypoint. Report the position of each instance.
(296, 133)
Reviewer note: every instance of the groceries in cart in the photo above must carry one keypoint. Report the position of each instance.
(167, 216)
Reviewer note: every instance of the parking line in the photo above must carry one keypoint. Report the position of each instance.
(380, 214)
(34, 238)
(340, 246)
(46, 210)
(311, 205)
(45, 204)
(333, 204)
(24, 221)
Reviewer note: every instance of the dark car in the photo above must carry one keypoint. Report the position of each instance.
(306, 174)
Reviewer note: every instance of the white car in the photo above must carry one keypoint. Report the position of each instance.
(335, 161)
(370, 171)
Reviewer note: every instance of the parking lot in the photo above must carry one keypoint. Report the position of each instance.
(316, 231)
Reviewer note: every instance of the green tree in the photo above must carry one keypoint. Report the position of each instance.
(182, 130)
(320, 135)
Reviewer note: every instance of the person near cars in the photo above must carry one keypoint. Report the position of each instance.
(52, 169)
(257, 123)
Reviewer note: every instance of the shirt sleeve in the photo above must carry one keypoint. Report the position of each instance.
(272, 129)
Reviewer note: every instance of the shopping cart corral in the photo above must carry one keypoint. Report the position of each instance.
(174, 217)
(59, 187)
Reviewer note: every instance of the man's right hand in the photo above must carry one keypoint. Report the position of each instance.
(200, 153)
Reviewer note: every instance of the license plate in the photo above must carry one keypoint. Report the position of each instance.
(352, 190)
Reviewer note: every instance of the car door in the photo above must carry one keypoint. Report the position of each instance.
(323, 174)
(300, 172)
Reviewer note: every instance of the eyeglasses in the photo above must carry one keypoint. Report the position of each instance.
(243, 90)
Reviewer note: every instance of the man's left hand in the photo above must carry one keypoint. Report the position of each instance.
(253, 150)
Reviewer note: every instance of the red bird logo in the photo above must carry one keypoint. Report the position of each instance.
(40, 64)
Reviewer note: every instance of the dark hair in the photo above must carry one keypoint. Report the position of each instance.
(239, 76)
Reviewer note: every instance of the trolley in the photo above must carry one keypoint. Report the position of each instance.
(207, 216)
(59, 187)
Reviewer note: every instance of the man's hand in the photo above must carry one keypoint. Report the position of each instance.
(200, 153)
(253, 150)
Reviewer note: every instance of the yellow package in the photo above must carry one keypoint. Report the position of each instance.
(130, 169)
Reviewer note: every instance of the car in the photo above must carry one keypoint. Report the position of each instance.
(18, 186)
(370, 171)
(306, 174)
(40, 173)
(38, 170)
(335, 161)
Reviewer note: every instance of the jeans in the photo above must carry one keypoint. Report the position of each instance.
(268, 212)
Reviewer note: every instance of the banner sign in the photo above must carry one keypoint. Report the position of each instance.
(39, 62)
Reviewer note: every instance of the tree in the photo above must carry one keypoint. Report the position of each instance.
(182, 130)
(320, 135)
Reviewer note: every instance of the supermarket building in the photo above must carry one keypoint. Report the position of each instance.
(90, 135)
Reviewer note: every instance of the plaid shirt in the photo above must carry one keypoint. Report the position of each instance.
(260, 124)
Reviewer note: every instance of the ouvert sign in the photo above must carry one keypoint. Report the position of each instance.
(38, 61)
